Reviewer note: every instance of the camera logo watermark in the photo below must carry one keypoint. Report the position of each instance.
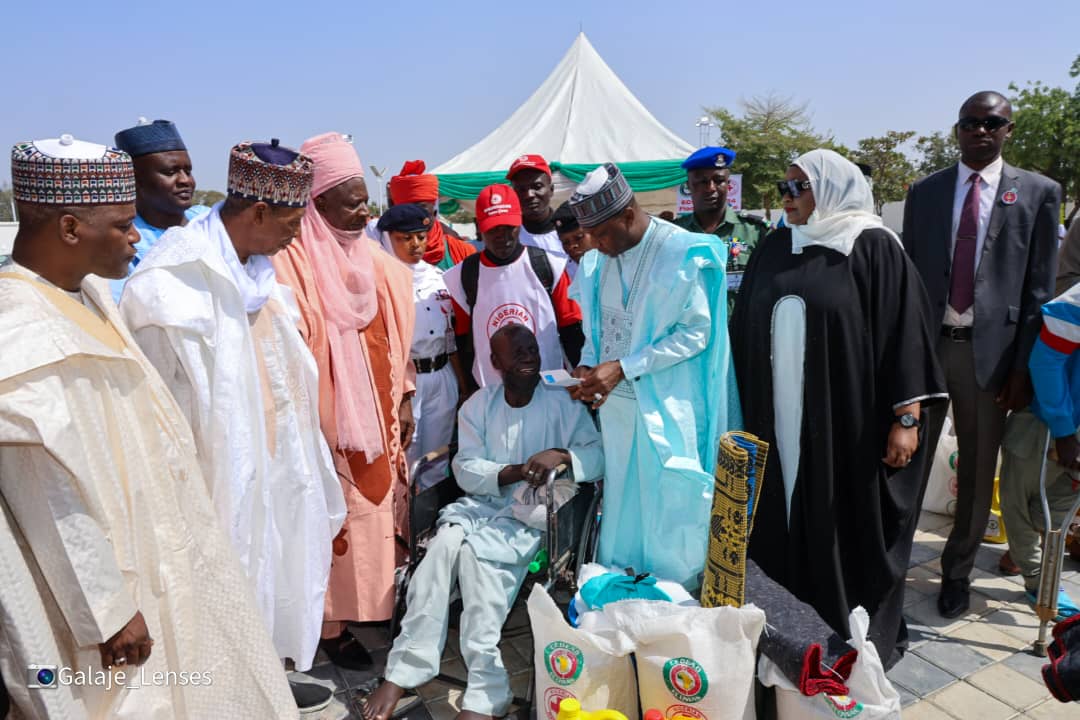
(49, 677)
(39, 677)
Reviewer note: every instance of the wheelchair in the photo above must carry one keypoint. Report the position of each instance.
(573, 532)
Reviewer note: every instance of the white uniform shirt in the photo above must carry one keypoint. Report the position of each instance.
(545, 241)
(434, 333)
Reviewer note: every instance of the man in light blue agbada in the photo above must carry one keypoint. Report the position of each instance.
(164, 185)
(657, 365)
(509, 436)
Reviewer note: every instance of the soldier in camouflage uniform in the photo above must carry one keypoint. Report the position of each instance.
(707, 174)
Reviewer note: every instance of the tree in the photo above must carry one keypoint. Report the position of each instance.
(6, 208)
(1047, 134)
(207, 197)
(938, 151)
(771, 132)
(891, 170)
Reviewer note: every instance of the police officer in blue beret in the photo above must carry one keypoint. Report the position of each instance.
(707, 173)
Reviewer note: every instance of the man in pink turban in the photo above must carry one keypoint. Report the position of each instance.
(357, 316)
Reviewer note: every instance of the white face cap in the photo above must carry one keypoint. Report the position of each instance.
(67, 146)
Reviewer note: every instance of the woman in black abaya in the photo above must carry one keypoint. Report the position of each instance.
(835, 360)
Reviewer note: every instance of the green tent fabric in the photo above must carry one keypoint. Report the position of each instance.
(643, 176)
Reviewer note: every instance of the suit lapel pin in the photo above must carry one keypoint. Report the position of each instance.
(1009, 196)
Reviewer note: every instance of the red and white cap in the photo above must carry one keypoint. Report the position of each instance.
(529, 162)
(497, 205)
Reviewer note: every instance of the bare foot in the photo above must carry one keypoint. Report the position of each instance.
(470, 715)
(380, 704)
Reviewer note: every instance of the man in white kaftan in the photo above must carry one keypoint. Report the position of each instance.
(222, 333)
(112, 563)
(509, 434)
(656, 363)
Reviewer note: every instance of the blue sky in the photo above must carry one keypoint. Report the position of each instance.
(426, 80)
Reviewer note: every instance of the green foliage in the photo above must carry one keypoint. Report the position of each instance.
(1047, 134)
(207, 197)
(891, 170)
(937, 151)
(771, 132)
(5, 205)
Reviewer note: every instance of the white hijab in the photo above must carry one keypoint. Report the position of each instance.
(844, 204)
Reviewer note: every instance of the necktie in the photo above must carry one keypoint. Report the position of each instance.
(962, 289)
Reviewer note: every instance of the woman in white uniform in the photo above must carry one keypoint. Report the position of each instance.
(440, 380)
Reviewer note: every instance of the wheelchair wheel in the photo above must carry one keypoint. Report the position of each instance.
(590, 538)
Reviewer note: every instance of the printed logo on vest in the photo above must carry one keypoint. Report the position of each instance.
(686, 679)
(564, 662)
(508, 314)
(843, 706)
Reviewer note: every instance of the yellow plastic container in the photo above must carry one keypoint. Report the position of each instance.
(995, 526)
(570, 709)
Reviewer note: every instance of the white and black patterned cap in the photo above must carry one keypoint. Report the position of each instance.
(603, 194)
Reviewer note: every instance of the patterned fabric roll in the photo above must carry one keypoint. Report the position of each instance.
(740, 470)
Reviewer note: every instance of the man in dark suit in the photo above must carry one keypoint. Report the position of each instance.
(983, 235)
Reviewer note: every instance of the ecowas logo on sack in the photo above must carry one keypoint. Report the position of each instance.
(564, 662)
(686, 679)
(843, 706)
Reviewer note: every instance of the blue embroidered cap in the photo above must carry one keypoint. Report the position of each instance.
(147, 138)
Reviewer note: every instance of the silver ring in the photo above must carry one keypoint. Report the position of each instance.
(121, 661)
(597, 397)
(531, 473)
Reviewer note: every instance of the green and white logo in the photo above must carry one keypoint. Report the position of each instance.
(686, 679)
(564, 662)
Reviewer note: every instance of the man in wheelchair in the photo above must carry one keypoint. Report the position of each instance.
(509, 437)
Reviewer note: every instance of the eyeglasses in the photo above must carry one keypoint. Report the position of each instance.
(793, 188)
(992, 123)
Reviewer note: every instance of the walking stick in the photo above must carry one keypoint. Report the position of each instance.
(1053, 557)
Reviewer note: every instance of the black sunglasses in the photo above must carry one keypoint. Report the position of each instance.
(793, 188)
(992, 123)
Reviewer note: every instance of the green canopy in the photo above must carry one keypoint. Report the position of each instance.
(643, 176)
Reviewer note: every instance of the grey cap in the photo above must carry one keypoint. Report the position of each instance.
(603, 194)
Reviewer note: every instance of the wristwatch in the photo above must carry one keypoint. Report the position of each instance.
(907, 420)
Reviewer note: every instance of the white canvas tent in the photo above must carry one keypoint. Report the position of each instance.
(582, 114)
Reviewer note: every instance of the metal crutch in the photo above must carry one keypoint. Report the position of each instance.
(1053, 557)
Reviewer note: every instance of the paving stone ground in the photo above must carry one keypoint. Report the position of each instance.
(976, 667)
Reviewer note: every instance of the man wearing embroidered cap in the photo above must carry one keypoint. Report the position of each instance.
(708, 172)
(164, 185)
(530, 176)
(356, 315)
(206, 307)
(511, 283)
(656, 364)
(415, 185)
(98, 471)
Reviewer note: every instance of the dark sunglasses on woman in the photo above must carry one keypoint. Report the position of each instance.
(992, 123)
(793, 188)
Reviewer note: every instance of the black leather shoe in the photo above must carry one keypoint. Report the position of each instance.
(954, 599)
(310, 697)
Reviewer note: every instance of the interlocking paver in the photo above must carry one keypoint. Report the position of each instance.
(953, 657)
(1009, 686)
(967, 701)
(919, 676)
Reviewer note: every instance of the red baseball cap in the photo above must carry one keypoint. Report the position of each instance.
(529, 162)
(497, 205)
